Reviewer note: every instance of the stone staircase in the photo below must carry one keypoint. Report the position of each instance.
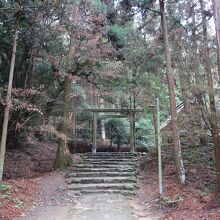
(104, 172)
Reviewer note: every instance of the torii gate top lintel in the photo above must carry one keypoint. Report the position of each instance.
(114, 110)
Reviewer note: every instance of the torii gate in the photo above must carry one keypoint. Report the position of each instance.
(121, 113)
(131, 114)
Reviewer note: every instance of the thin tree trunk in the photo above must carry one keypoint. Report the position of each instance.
(173, 112)
(183, 74)
(198, 79)
(30, 73)
(195, 57)
(216, 10)
(8, 99)
(214, 119)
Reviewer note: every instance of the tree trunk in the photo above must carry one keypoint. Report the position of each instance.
(198, 79)
(195, 55)
(214, 119)
(173, 112)
(8, 99)
(216, 10)
(63, 158)
(30, 73)
(178, 53)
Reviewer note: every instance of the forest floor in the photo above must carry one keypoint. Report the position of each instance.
(34, 192)
(52, 201)
(197, 199)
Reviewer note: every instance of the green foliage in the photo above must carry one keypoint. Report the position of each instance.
(198, 155)
(117, 130)
(4, 187)
(144, 2)
(144, 132)
(193, 155)
(5, 194)
(79, 92)
(19, 204)
(84, 119)
(99, 6)
(117, 35)
(167, 201)
(5, 191)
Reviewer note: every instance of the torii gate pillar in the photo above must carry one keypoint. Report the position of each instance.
(132, 132)
(94, 133)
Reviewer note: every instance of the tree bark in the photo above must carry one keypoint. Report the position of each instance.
(216, 10)
(63, 158)
(198, 79)
(173, 112)
(214, 118)
(30, 72)
(195, 55)
(8, 99)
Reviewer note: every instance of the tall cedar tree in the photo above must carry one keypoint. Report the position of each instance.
(214, 119)
(216, 9)
(173, 111)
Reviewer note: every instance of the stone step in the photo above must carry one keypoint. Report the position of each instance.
(84, 165)
(102, 162)
(132, 160)
(101, 174)
(101, 155)
(115, 169)
(109, 191)
(109, 157)
(104, 172)
(112, 153)
(102, 186)
(89, 180)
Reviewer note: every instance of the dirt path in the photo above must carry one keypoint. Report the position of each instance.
(102, 207)
(54, 202)
(92, 207)
(107, 207)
